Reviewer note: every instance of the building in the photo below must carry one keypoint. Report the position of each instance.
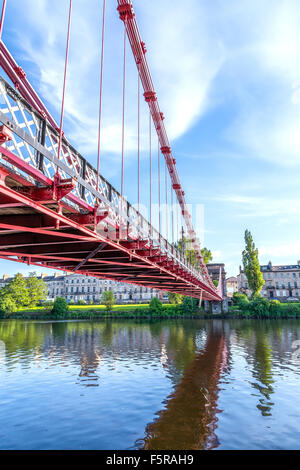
(242, 283)
(281, 282)
(231, 286)
(214, 272)
(76, 288)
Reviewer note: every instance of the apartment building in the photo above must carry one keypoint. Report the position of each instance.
(76, 288)
(282, 282)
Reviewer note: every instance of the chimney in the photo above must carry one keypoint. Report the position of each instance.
(43, 275)
(57, 274)
(5, 277)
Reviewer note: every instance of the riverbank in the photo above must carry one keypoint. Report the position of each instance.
(89, 313)
(256, 309)
(144, 315)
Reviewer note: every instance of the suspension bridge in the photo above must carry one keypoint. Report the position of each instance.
(57, 211)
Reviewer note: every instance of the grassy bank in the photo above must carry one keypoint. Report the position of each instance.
(82, 312)
(261, 308)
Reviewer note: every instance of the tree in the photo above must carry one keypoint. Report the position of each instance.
(60, 306)
(191, 254)
(7, 304)
(207, 255)
(251, 265)
(17, 291)
(189, 305)
(108, 299)
(37, 289)
(175, 298)
(156, 306)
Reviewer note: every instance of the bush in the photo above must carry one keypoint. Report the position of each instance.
(290, 310)
(275, 308)
(260, 307)
(189, 305)
(156, 306)
(241, 301)
(60, 307)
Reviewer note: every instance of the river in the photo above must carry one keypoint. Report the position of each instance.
(192, 384)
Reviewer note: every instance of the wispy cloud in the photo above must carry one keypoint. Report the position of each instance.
(281, 250)
(183, 69)
(253, 206)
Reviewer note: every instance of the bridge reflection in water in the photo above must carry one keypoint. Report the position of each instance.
(190, 417)
(196, 383)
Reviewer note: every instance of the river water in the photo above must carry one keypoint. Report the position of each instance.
(163, 385)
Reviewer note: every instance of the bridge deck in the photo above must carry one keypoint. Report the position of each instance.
(52, 214)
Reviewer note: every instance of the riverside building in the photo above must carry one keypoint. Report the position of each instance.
(76, 288)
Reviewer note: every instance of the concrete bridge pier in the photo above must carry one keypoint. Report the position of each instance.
(216, 308)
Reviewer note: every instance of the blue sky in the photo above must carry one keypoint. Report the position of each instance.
(227, 75)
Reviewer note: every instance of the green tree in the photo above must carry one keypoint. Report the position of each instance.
(207, 255)
(7, 304)
(17, 290)
(189, 305)
(156, 306)
(108, 299)
(175, 298)
(191, 254)
(251, 265)
(60, 306)
(37, 289)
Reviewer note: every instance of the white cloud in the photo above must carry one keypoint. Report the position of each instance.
(282, 250)
(255, 206)
(217, 256)
(184, 60)
(264, 73)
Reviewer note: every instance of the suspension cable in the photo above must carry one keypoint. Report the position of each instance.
(123, 117)
(139, 129)
(2, 18)
(167, 215)
(158, 171)
(64, 86)
(150, 168)
(172, 215)
(101, 86)
(177, 223)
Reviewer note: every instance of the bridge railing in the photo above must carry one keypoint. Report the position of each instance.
(35, 142)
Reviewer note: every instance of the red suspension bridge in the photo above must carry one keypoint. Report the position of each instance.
(58, 211)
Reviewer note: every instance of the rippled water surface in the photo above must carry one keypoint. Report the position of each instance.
(164, 385)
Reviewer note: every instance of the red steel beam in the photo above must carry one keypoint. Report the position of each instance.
(127, 15)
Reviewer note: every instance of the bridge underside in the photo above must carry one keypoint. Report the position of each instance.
(38, 229)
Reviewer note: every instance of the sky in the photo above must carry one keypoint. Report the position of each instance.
(227, 76)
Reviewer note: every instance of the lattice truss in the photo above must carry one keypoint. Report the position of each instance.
(28, 120)
(22, 116)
